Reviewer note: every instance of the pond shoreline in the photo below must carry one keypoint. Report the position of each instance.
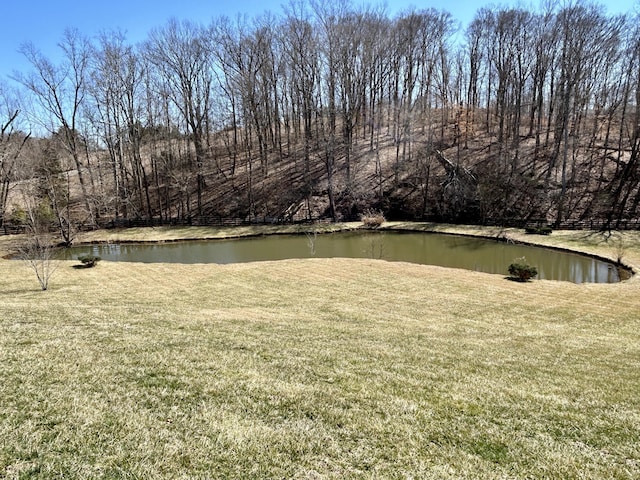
(159, 235)
(625, 271)
(558, 240)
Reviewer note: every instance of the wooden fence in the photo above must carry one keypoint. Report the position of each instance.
(10, 229)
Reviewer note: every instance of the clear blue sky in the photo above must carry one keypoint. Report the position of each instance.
(42, 22)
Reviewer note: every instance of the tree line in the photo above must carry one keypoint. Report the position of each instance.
(328, 110)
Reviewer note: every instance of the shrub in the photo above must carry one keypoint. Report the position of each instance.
(18, 216)
(372, 219)
(89, 260)
(522, 272)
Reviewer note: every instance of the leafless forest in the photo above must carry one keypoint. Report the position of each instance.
(325, 111)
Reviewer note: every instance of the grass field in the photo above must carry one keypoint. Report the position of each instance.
(311, 369)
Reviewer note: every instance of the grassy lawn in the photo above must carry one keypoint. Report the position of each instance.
(319, 368)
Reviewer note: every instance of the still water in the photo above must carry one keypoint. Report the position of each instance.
(424, 248)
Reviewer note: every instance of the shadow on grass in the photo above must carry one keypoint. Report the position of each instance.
(519, 280)
(416, 227)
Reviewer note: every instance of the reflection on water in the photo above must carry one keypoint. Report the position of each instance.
(433, 249)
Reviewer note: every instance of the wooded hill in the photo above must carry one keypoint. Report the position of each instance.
(327, 111)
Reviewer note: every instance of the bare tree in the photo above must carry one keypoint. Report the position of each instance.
(118, 94)
(182, 54)
(586, 40)
(624, 197)
(37, 248)
(12, 142)
(301, 47)
(38, 252)
(59, 91)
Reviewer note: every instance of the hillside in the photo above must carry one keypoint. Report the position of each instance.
(324, 114)
(459, 177)
(464, 176)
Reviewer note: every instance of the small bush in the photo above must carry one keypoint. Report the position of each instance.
(522, 272)
(372, 219)
(89, 260)
(18, 216)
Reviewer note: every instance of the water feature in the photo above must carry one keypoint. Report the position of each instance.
(424, 248)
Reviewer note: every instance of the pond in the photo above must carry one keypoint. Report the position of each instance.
(444, 250)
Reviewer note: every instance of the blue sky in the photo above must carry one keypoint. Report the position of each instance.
(42, 22)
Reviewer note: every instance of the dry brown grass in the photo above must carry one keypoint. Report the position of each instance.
(372, 219)
(321, 368)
